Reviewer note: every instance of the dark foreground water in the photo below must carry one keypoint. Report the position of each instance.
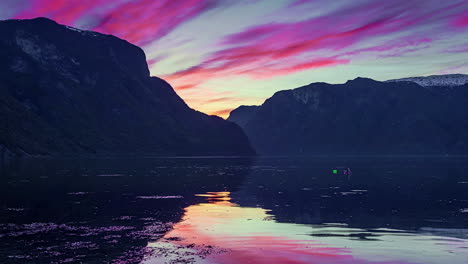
(235, 210)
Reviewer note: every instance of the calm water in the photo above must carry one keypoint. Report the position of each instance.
(236, 210)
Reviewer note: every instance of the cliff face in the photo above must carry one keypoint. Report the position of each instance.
(68, 91)
(362, 116)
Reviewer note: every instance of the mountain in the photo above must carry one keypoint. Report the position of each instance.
(361, 116)
(242, 114)
(69, 91)
(437, 80)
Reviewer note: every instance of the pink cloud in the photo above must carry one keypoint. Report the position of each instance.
(286, 44)
(457, 49)
(272, 71)
(222, 112)
(220, 99)
(397, 47)
(276, 49)
(454, 69)
(251, 34)
(62, 11)
(186, 86)
(143, 21)
(462, 20)
(300, 2)
(138, 21)
(156, 59)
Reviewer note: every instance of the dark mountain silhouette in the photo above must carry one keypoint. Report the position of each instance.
(362, 116)
(68, 91)
(242, 114)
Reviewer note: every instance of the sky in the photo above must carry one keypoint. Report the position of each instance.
(219, 54)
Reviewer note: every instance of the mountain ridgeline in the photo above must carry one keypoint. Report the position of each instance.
(362, 117)
(68, 91)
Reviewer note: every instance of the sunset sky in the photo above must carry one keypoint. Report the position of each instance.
(219, 54)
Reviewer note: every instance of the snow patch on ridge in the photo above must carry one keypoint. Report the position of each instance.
(436, 80)
(75, 29)
(83, 32)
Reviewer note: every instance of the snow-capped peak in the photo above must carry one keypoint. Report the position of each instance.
(436, 80)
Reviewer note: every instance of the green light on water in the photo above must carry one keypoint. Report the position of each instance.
(335, 171)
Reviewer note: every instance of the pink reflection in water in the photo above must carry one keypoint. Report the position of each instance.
(220, 231)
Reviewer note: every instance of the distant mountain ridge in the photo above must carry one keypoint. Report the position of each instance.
(243, 114)
(436, 80)
(69, 91)
(361, 116)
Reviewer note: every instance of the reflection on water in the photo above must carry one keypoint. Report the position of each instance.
(220, 231)
(225, 210)
(102, 210)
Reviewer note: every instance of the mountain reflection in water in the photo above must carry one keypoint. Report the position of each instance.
(288, 210)
(220, 231)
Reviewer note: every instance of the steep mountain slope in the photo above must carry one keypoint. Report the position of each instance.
(362, 116)
(67, 91)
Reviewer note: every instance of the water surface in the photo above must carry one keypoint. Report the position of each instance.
(235, 210)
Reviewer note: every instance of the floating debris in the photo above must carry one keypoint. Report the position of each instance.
(16, 209)
(161, 197)
(348, 193)
(124, 217)
(20, 257)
